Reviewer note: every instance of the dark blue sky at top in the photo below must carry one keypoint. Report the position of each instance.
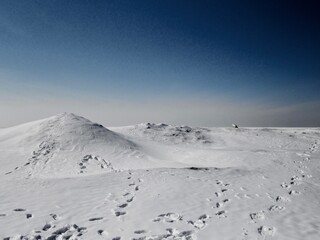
(251, 50)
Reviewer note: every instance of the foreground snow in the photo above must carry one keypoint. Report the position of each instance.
(68, 178)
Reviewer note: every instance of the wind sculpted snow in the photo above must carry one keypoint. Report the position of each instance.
(66, 177)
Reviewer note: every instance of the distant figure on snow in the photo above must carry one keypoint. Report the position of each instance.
(235, 125)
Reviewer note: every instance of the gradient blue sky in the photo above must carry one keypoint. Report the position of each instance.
(208, 63)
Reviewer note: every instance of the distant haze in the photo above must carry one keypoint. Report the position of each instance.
(203, 63)
(194, 112)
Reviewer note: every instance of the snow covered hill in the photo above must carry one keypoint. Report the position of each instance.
(66, 177)
(65, 145)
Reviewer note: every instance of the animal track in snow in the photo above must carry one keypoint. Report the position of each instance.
(140, 231)
(220, 204)
(218, 194)
(42, 154)
(257, 216)
(282, 199)
(100, 232)
(130, 199)
(169, 217)
(123, 205)
(95, 160)
(67, 232)
(119, 213)
(172, 234)
(46, 227)
(266, 231)
(285, 185)
(19, 210)
(295, 180)
(276, 208)
(200, 223)
(54, 216)
(29, 215)
(294, 192)
(95, 219)
(222, 213)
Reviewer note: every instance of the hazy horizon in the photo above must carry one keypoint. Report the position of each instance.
(207, 63)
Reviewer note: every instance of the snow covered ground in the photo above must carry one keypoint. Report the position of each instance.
(68, 178)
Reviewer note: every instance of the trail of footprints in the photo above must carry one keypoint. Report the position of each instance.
(129, 197)
(68, 231)
(43, 153)
(95, 160)
(72, 231)
(257, 217)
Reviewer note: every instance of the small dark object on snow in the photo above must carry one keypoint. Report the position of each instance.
(198, 168)
(235, 125)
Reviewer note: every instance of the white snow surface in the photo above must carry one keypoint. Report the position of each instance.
(66, 177)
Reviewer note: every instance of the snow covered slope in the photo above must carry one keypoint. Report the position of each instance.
(66, 145)
(68, 178)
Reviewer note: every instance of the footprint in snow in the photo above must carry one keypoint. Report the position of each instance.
(285, 185)
(46, 227)
(218, 194)
(282, 199)
(276, 208)
(219, 182)
(200, 223)
(119, 213)
(266, 231)
(95, 219)
(123, 205)
(54, 216)
(257, 216)
(140, 231)
(102, 232)
(294, 192)
(220, 204)
(168, 217)
(19, 210)
(221, 214)
(67, 232)
(130, 199)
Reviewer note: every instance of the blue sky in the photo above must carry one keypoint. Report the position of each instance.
(117, 62)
